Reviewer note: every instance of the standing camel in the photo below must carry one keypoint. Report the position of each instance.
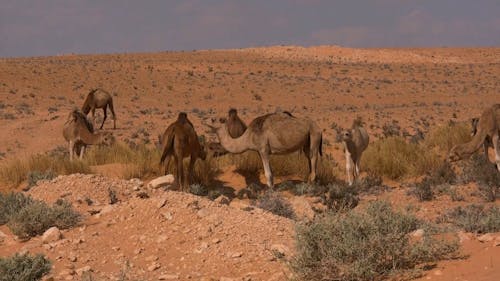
(355, 142)
(180, 140)
(99, 98)
(79, 133)
(487, 141)
(488, 126)
(276, 133)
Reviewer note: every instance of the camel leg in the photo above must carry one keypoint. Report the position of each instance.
(485, 146)
(82, 150)
(112, 113)
(313, 164)
(496, 146)
(349, 167)
(264, 156)
(93, 117)
(180, 173)
(71, 147)
(105, 110)
(192, 161)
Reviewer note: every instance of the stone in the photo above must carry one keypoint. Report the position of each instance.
(3, 237)
(154, 266)
(488, 237)
(161, 181)
(52, 234)
(419, 233)
(302, 208)
(168, 277)
(161, 202)
(223, 200)
(82, 270)
(280, 250)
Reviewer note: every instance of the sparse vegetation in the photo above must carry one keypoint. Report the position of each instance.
(27, 217)
(446, 136)
(474, 218)
(24, 267)
(35, 176)
(484, 173)
(273, 202)
(369, 244)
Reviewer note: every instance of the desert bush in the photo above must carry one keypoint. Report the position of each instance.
(198, 189)
(24, 267)
(395, 158)
(16, 171)
(35, 217)
(35, 176)
(423, 190)
(341, 197)
(447, 136)
(484, 173)
(273, 202)
(474, 218)
(11, 203)
(368, 244)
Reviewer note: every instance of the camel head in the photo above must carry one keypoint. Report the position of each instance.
(346, 135)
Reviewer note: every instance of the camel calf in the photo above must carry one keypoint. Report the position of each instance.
(180, 140)
(355, 142)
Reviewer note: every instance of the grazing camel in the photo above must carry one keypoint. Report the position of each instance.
(487, 141)
(79, 133)
(235, 126)
(488, 126)
(355, 142)
(180, 140)
(99, 98)
(276, 133)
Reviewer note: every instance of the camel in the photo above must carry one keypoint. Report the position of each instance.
(275, 133)
(79, 133)
(488, 126)
(355, 141)
(235, 126)
(487, 141)
(180, 140)
(99, 98)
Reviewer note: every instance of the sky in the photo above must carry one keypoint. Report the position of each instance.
(52, 27)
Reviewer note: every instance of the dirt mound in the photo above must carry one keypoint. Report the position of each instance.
(170, 235)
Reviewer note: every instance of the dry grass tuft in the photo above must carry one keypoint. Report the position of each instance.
(447, 136)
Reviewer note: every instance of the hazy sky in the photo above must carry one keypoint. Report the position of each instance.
(50, 27)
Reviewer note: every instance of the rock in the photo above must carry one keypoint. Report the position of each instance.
(167, 216)
(161, 181)
(419, 233)
(463, 236)
(168, 277)
(154, 266)
(72, 257)
(223, 200)
(161, 202)
(236, 255)
(496, 243)
(106, 209)
(488, 237)
(51, 235)
(3, 237)
(84, 269)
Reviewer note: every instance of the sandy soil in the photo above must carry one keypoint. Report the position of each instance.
(413, 88)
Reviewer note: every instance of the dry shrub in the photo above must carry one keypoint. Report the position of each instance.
(485, 174)
(395, 158)
(17, 170)
(474, 218)
(369, 244)
(273, 202)
(24, 267)
(447, 136)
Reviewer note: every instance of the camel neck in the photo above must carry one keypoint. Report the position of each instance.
(90, 138)
(237, 145)
(475, 143)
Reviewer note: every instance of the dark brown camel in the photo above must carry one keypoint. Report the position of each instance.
(99, 98)
(180, 140)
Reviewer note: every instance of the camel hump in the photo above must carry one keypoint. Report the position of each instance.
(358, 122)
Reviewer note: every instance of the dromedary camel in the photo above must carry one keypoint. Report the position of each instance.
(355, 141)
(235, 126)
(488, 126)
(276, 133)
(180, 140)
(99, 98)
(79, 133)
(487, 141)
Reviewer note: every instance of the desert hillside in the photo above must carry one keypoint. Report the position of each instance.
(423, 98)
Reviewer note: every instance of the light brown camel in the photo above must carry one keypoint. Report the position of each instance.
(99, 98)
(235, 126)
(488, 126)
(487, 141)
(79, 133)
(276, 133)
(355, 141)
(180, 140)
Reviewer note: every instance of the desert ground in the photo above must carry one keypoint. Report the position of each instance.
(173, 235)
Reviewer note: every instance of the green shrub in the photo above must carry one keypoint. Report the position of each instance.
(24, 267)
(36, 217)
(273, 202)
(474, 218)
(368, 244)
(395, 158)
(35, 176)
